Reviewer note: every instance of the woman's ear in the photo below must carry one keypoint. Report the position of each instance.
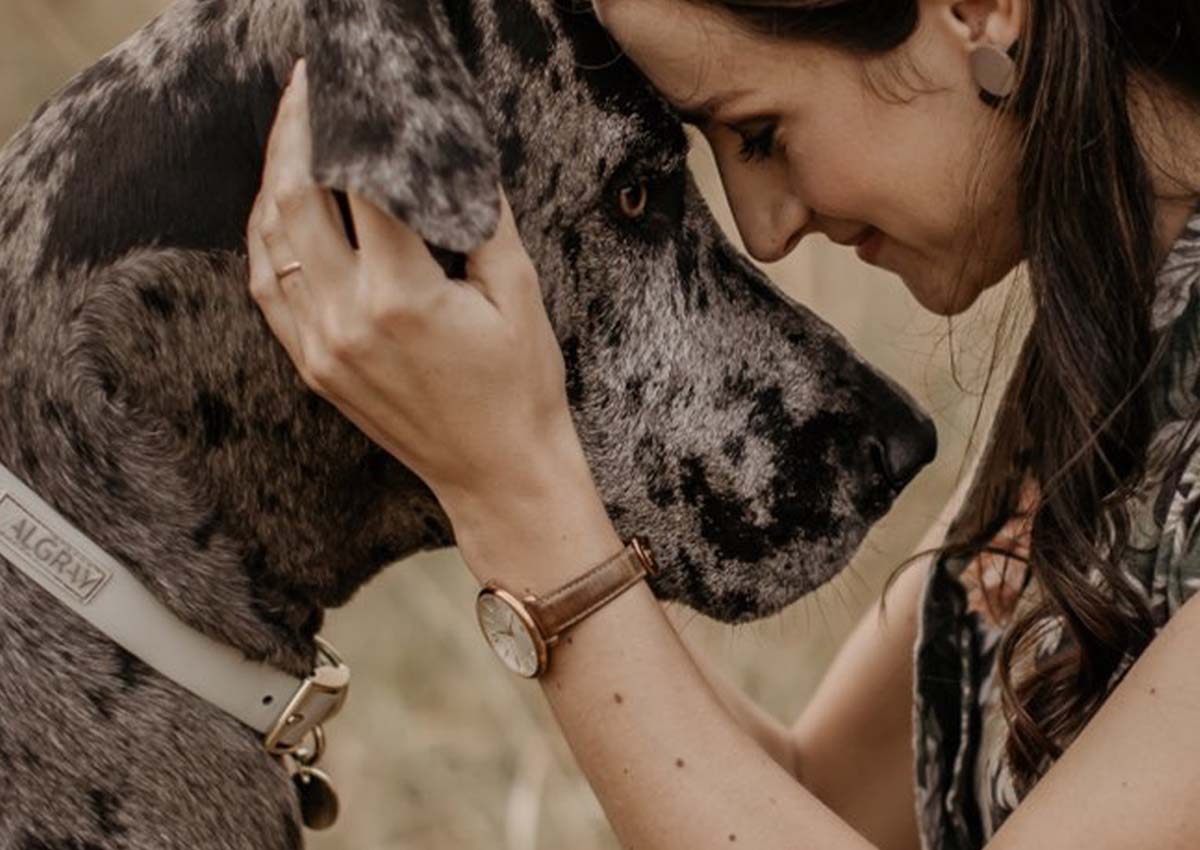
(995, 23)
(396, 118)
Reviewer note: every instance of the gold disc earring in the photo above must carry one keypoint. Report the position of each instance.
(994, 70)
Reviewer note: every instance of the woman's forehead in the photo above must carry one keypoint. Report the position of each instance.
(707, 57)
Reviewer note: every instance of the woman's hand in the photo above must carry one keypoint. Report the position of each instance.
(462, 381)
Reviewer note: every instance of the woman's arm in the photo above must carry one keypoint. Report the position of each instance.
(852, 744)
(862, 771)
(853, 741)
(769, 733)
(669, 764)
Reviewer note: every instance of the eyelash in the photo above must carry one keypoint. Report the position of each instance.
(757, 147)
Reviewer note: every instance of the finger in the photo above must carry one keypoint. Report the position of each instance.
(501, 266)
(271, 160)
(296, 287)
(389, 246)
(299, 325)
(308, 212)
(265, 288)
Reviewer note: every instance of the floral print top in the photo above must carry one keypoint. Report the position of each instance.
(964, 787)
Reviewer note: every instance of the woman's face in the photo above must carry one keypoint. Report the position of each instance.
(916, 172)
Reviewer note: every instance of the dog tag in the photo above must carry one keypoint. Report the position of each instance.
(318, 800)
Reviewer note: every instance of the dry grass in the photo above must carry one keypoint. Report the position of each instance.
(440, 748)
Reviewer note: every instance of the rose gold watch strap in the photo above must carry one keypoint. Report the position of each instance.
(574, 601)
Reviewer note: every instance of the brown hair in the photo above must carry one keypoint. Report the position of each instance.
(1073, 416)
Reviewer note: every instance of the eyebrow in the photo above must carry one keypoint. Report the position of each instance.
(703, 112)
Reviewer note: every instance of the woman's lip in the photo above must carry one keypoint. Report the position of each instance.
(868, 245)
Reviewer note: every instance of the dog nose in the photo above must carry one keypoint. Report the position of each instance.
(900, 439)
(905, 449)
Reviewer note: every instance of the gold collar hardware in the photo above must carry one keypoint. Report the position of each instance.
(318, 699)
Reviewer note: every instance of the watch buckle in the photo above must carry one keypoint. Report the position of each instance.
(320, 696)
(645, 555)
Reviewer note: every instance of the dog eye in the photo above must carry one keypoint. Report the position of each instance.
(634, 198)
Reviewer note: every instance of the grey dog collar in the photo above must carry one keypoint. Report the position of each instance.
(40, 542)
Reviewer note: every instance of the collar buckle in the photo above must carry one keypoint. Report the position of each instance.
(319, 698)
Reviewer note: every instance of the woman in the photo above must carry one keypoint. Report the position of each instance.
(949, 142)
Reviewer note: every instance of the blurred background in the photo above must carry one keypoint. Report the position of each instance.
(439, 746)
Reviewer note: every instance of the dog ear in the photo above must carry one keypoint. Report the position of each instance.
(396, 119)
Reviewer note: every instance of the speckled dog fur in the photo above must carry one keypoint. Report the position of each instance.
(142, 394)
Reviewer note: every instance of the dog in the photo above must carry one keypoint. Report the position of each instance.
(144, 397)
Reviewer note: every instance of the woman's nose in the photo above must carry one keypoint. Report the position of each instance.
(789, 223)
(770, 216)
(784, 220)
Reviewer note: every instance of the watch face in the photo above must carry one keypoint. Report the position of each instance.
(508, 634)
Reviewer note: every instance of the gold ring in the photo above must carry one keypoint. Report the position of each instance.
(290, 268)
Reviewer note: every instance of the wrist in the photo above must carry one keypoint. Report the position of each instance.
(541, 528)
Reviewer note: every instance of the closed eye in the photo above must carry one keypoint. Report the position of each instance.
(758, 145)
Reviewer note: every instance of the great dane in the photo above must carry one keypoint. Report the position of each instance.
(142, 394)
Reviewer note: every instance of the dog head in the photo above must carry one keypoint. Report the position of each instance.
(725, 423)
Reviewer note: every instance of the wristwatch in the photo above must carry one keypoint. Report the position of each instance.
(522, 630)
